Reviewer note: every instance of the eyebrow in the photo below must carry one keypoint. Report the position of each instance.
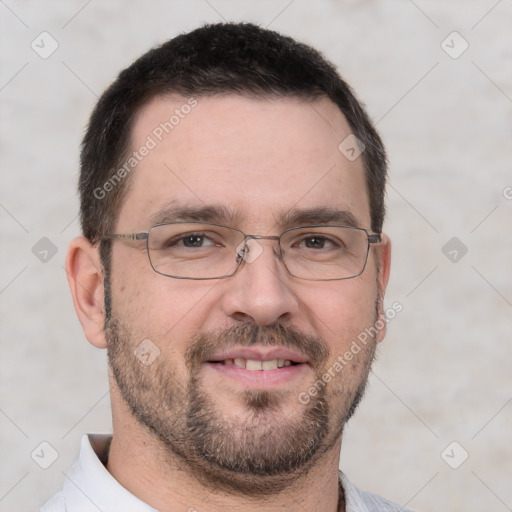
(221, 214)
(322, 215)
(176, 212)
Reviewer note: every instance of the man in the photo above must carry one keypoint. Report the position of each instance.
(232, 207)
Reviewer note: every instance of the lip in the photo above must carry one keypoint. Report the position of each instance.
(259, 379)
(260, 354)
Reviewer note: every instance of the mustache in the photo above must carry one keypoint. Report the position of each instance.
(206, 343)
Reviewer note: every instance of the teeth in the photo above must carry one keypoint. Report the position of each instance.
(253, 365)
(269, 365)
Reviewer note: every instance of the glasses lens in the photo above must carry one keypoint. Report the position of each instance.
(325, 252)
(193, 250)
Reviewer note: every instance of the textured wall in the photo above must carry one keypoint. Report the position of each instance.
(444, 110)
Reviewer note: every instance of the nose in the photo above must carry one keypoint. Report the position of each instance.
(262, 290)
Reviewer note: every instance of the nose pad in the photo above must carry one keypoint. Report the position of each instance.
(249, 250)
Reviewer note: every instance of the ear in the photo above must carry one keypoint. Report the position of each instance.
(85, 278)
(383, 254)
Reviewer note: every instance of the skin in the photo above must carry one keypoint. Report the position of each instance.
(260, 158)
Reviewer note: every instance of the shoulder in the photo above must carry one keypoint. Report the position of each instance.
(373, 503)
(55, 504)
(360, 501)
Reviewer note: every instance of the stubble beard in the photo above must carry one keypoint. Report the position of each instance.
(257, 455)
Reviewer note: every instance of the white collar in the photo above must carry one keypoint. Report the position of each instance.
(90, 487)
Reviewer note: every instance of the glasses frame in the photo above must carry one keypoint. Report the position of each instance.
(372, 239)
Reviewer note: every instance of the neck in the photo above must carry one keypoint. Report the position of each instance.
(139, 462)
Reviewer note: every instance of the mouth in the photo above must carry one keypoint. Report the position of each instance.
(260, 368)
(255, 364)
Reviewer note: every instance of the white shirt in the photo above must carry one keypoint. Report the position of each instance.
(89, 487)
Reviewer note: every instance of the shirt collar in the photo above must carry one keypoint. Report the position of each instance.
(90, 487)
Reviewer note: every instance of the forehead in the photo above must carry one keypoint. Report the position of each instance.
(257, 159)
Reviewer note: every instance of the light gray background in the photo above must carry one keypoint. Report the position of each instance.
(443, 373)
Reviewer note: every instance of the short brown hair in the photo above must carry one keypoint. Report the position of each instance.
(224, 58)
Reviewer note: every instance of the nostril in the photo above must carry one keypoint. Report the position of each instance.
(242, 317)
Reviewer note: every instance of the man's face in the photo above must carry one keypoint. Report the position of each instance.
(267, 165)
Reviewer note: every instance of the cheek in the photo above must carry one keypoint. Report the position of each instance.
(341, 310)
(167, 311)
(348, 326)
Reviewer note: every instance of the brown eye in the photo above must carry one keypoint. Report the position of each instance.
(193, 240)
(318, 242)
(315, 242)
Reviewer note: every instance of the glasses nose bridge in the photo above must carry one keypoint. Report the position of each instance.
(277, 238)
(248, 254)
(262, 237)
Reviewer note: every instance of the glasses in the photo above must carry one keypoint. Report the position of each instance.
(194, 250)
